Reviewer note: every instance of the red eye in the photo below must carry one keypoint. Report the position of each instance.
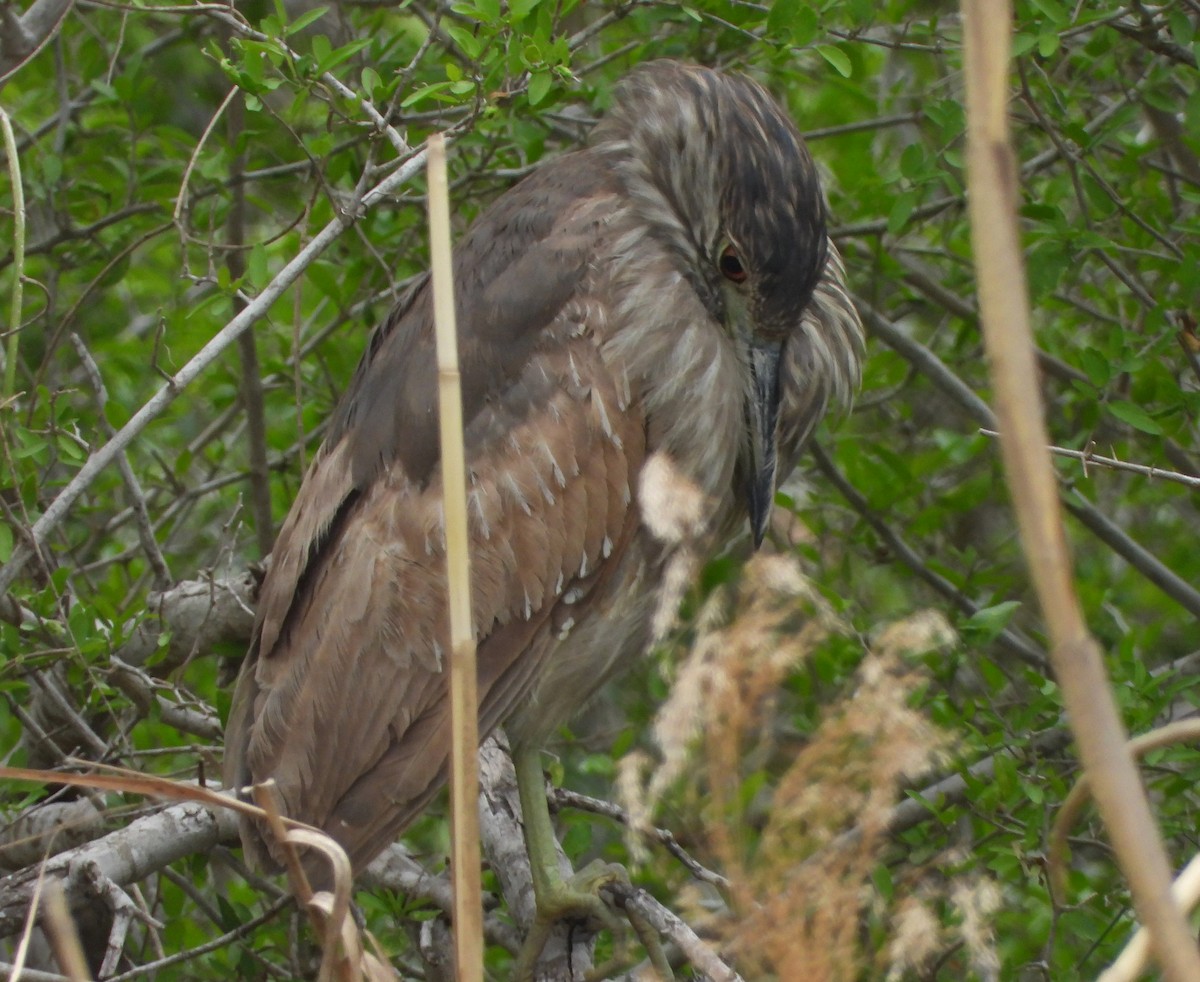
(730, 265)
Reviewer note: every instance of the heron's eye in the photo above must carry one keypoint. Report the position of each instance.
(730, 265)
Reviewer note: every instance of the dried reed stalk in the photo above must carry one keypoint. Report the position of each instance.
(464, 722)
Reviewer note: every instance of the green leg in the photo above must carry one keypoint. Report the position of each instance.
(577, 898)
(557, 899)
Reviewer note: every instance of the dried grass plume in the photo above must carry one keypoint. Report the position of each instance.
(800, 886)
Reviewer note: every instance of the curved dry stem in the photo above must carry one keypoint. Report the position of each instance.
(17, 300)
(330, 910)
(1181, 731)
(1131, 964)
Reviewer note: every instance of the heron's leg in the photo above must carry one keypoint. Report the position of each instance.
(557, 899)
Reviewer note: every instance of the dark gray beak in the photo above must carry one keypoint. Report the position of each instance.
(762, 412)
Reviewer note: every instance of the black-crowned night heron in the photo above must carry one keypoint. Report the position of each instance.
(666, 294)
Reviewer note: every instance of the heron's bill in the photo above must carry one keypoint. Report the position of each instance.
(762, 415)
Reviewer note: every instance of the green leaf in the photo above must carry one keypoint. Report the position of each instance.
(991, 672)
(344, 53)
(371, 81)
(321, 47)
(423, 93)
(539, 87)
(1136, 417)
(805, 26)
(468, 40)
(837, 58)
(781, 17)
(1056, 12)
(1005, 775)
(913, 161)
(1099, 371)
(51, 168)
(1041, 212)
(31, 445)
(487, 11)
(69, 449)
(901, 211)
(257, 272)
(327, 279)
(306, 18)
(882, 878)
(1182, 28)
(6, 542)
(520, 9)
(1023, 44)
(987, 623)
(1047, 44)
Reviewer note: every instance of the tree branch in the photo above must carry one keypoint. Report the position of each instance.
(23, 36)
(121, 857)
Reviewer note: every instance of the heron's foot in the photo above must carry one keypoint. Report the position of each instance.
(575, 899)
(578, 899)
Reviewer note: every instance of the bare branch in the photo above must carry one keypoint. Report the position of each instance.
(1089, 456)
(565, 798)
(23, 36)
(121, 857)
(197, 614)
(137, 497)
(698, 951)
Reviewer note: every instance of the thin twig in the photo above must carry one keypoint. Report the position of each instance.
(8, 971)
(23, 36)
(564, 798)
(936, 370)
(1132, 962)
(232, 19)
(1090, 457)
(1010, 639)
(181, 197)
(698, 951)
(137, 497)
(241, 931)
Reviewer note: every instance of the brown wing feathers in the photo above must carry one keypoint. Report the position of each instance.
(343, 700)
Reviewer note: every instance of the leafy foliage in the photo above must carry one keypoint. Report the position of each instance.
(174, 161)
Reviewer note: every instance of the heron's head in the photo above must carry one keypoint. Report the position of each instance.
(723, 178)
